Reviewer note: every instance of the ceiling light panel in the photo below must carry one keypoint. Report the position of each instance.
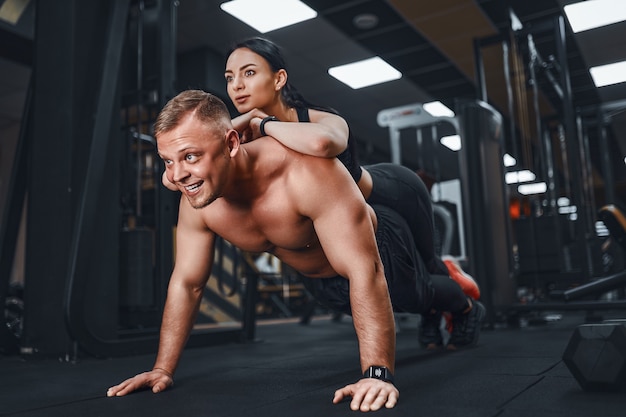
(609, 74)
(438, 109)
(268, 15)
(592, 14)
(452, 142)
(535, 188)
(365, 73)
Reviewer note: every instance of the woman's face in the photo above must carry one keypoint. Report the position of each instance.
(250, 81)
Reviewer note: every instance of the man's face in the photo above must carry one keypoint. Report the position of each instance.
(196, 160)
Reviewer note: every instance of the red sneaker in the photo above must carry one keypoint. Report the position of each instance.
(467, 283)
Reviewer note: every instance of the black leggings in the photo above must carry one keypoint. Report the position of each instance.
(447, 295)
(402, 190)
(412, 289)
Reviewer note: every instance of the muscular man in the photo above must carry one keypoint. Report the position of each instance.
(308, 212)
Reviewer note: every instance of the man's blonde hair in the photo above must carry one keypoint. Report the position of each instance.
(205, 106)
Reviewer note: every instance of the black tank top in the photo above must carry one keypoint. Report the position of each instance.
(348, 157)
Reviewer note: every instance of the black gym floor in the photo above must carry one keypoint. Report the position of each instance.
(293, 371)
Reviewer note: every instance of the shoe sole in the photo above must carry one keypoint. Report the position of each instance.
(465, 281)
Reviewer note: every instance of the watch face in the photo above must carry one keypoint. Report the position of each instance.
(379, 372)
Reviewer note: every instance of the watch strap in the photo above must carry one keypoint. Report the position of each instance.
(379, 372)
(265, 120)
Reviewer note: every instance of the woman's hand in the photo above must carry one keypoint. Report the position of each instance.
(247, 125)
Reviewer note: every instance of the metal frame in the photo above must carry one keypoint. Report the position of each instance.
(9, 227)
(574, 143)
(488, 226)
(79, 256)
(60, 254)
(414, 116)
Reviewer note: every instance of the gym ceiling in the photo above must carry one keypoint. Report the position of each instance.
(430, 42)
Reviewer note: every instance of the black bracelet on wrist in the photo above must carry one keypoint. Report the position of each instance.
(265, 120)
(379, 372)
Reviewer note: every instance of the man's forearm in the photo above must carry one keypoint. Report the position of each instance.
(179, 315)
(374, 324)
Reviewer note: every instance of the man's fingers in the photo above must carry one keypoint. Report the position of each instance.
(381, 400)
(368, 397)
(114, 390)
(373, 400)
(126, 390)
(161, 386)
(342, 393)
(392, 400)
(122, 389)
(358, 397)
(158, 381)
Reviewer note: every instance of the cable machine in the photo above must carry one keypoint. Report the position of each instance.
(560, 247)
(414, 119)
(484, 224)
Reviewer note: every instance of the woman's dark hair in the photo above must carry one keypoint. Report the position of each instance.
(272, 53)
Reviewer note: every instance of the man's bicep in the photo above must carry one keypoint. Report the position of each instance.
(348, 240)
(342, 222)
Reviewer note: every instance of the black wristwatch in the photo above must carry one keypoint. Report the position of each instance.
(379, 372)
(265, 120)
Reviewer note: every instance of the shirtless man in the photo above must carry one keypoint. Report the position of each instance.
(308, 212)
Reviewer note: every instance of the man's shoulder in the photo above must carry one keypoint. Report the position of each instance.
(271, 153)
(290, 164)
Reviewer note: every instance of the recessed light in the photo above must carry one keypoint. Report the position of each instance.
(535, 188)
(508, 160)
(609, 74)
(365, 73)
(365, 21)
(592, 14)
(452, 142)
(437, 109)
(269, 15)
(515, 177)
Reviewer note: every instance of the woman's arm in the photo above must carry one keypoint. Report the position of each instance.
(242, 124)
(325, 136)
